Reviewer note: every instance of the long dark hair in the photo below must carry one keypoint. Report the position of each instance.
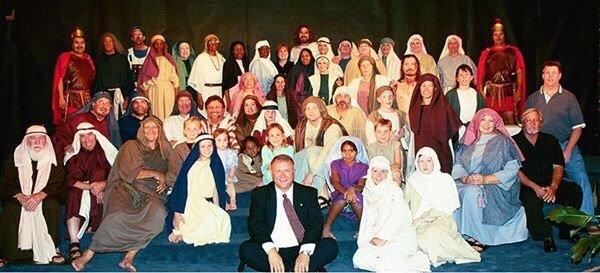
(404, 57)
(290, 99)
(311, 35)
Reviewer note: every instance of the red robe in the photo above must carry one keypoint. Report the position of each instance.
(65, 133)
(60, 71)
(481, 70)
(89, 166)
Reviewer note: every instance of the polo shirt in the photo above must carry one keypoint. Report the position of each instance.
(540, 157)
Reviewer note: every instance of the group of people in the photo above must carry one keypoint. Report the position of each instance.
(425, 156)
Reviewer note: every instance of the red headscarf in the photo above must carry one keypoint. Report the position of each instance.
(472, 133)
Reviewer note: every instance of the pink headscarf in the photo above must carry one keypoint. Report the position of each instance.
(150, 66)
(472, 133)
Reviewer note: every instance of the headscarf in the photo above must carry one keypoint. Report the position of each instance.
(150, 67)
(440, 109)
(299, 68)
(181, 69)
(137, 96)
(372, 52)
(193, 107)
(237, 100)
(162, 142)
(325, 40)
(392, 61)
(437, 189)
(110, 153)
(353, 48)
(208, 38)
(336, 153)
(266, 62)
(178, 198)
(446, 51)
(113, 126)
(33, 230)
(415, 37)
(472, 134)
(261, 123)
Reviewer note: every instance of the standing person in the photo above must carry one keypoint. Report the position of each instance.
(453, 55)
(386, 239)
(87, 167)
(353, 69)
(432, 199)
(541, 178)
(206, 77)
(184, 55)
(563, 120)
(113, 74)
(234, 67)
(389, 58)
(349, 115)
(416, 46)
(262, 66)
(325, 81)
(73, 78)
(385, 110)
(324, 49)
(362, 89)
(284, 96)
(229, 158)
(463, 98)
(389, 147)
(285, 226)
(32, 185)
(432, 120)
(409, 75)
(196, 203)
(501, 76)
(134, 210)
(304, 39)
(298, 75)
(136, 55)
(283, 62)
(345, 51)
(158, 78)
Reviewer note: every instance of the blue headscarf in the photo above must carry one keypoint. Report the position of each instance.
(179, 194)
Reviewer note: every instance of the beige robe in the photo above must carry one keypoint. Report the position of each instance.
(161, 90)
(353, 120)
(353, 71)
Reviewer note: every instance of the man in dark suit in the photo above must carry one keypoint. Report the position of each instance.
(286, 237)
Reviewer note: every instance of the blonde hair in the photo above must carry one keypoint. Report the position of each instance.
(191, 120)
(276, 125)
(529, 111)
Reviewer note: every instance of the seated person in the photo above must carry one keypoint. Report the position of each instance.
(275, 145)
(229, 158)
(485, 171)
(197, 202)
(347, 172)
(285, 226)
(270, 114)
(248, 172)
(87, 166)
(191, 130)
(432, 198)
(386, 239)
(129, 123)
(184, 108)
(134, 210)
(386, 146)
(386, 110)
(32, 189)
(542, 179)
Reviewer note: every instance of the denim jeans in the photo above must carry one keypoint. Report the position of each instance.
(575, 171)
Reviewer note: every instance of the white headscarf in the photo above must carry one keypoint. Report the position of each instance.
(33, 231)
(261, 123)
(110, 152)
(413, 37)
(266, 62)
(353, 48)
(345, 90)
(392, 62)
(446, 51)
(437, 189)
(325, 40)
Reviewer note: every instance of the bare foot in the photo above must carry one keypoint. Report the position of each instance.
(80, 263)
(175, 238)
(127, 265)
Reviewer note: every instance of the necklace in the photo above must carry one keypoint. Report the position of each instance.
(217, 65)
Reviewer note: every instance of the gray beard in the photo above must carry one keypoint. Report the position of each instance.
(35, 156)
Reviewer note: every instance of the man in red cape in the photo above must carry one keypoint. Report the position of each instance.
(501, 76)
(73, 77)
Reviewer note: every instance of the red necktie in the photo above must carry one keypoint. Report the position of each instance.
(293, 218)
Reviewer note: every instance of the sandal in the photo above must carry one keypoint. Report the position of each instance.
(479, 247)
(58, 259)
(128, 266)
(74, 251)
(324, 202)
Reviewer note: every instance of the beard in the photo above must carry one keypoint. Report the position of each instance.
(35, 155)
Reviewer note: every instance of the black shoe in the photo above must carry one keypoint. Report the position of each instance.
(549, 245)
(241, 267)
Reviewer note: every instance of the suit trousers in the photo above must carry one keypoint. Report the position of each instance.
(252, 254)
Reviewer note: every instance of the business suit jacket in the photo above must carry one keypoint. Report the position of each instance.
(263, 211)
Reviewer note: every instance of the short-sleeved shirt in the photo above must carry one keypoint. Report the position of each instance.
(561, 112)
(540, 157)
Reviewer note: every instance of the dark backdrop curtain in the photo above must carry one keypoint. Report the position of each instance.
(566, 31)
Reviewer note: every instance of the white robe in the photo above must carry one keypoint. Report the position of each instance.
(207, 70)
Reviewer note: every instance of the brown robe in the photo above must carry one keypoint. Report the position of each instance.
(176, 158)
(247, 181)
